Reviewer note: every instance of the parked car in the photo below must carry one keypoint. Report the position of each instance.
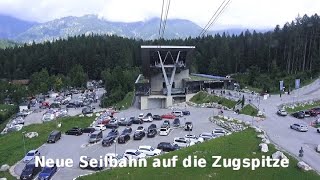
(307, 113)
(54, 136)
(113, 124)
(138, 135)
(167, 147)
(113, 133)
(182, 142)
(206, 136)
(136, 120)
(30, 171)
(152, 126)
(194, 138)
(88, 130)
(98, 167)
(30, 155)
(168, 116)
(315, 111)
(95, 137)
(156, 117)
(48, 117)
(152, 133)
(127, 130)
(176, 122)
(87, 110)
(74, 131)
(165, 124)
(108, 141)
(318, 130)
(219, 132)
(299, 115)
(177, 113)
(122, 139)
(188, 126)
(141, 115)
(140, 128)
(299, 127)
(149, 151)
(164, 131)
(124, 122)
(147, 119)
(100, 127)
(282, 112)
(134, 154)
(186, 113)
(47, 172)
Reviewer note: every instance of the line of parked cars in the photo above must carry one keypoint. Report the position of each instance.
(307, 113)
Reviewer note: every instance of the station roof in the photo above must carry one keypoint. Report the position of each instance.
(167, 47)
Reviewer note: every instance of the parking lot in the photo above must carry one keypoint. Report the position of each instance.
(75, 146)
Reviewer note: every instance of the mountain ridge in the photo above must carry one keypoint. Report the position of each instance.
(92, 24)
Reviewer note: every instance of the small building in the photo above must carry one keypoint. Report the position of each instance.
(21, 82)
(24, 107)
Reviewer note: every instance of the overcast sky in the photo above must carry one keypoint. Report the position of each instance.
(244, 13)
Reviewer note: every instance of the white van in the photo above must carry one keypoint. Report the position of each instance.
(164, 131)
(182, 142)
(177, 113)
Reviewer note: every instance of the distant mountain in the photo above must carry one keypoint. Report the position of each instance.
(70, 26)
(11, 27)
(22, 31)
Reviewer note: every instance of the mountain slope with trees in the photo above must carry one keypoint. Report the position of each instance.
(255, 59)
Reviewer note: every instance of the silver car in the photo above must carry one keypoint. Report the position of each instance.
(299, 127)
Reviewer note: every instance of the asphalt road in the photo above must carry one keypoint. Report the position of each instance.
(75, 146)
(278, 128)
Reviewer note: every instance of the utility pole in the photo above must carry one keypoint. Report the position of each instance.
(24, 142)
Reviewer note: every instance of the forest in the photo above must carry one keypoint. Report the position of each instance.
(255, 59)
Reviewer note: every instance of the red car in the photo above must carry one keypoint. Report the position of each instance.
(44, 105)
(314, 111)
(105, 121)
(168, 116)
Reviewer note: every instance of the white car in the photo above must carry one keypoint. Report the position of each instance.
(30, 155)
(149, 151)
(282, 112)
(164, 131)
(140, 128)
(194, 138)
(147, 119)
(141, 115)
(100, 127)
(48, 117)
(178, 113)
(299, 127)
(134, 154)
(206, 136)
(219, 132)
(182, 142)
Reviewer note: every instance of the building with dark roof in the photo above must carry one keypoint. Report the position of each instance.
(166, 80)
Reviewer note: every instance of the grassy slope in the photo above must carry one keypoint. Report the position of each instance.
(303, 107)
(240, 145)
(204, 97)
(126, 102)
(11, 145)
(249, 110)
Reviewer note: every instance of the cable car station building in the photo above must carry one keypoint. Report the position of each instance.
(165, 77)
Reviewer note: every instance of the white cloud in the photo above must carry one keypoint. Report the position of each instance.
(246, 13)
